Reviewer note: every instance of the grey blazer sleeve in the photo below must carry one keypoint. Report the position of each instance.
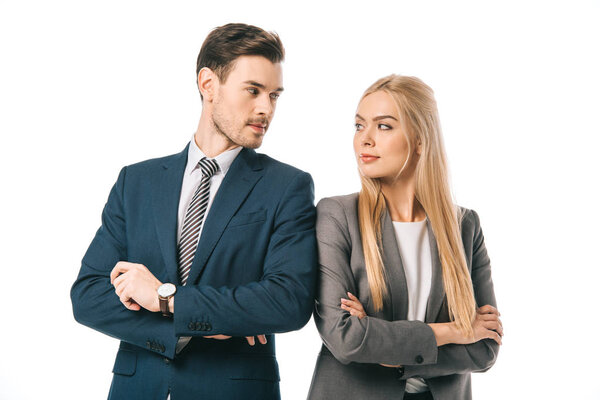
(475, 357)
(370, 340)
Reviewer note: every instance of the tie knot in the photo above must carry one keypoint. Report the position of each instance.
(208, 166)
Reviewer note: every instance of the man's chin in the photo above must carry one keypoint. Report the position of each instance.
(252, 142)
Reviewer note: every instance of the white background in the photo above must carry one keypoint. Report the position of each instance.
(87, 87)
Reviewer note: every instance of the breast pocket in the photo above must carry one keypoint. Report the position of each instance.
(248, 218)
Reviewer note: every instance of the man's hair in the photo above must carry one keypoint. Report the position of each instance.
(226, 43)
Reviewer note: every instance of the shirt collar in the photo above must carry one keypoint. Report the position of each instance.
(225, 159)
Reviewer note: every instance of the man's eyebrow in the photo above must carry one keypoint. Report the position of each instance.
(359, 117)
(261, 86)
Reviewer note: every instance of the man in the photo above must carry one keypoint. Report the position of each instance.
(200, 249)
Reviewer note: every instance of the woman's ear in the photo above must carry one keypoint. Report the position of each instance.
(418, 148)
(207, 83)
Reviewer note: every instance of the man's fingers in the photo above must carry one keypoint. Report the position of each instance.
(118, 280)
(120, 268)
(218, 337)
(262, 339)
(250, 340)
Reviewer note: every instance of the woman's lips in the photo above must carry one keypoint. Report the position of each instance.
(367, 158)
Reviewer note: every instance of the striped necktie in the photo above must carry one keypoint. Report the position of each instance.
(194, 217)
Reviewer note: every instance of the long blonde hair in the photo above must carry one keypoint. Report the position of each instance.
(420, 122)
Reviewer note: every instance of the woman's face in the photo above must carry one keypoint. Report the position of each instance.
(380, 144)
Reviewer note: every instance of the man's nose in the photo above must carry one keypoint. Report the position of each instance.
(264, 105)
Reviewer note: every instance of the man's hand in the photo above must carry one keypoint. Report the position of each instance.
(136, 286)
(261, 338)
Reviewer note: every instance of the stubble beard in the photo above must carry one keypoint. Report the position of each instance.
(239, 139)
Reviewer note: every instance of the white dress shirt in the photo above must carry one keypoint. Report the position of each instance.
(413, 244)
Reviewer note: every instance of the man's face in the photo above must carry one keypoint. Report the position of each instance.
(244, 104)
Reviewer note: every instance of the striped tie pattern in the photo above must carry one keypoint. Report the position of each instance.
(194, 217)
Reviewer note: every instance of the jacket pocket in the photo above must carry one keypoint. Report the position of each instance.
(125, 363)
(248, 218)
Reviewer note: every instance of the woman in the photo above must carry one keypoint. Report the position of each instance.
(402, 269)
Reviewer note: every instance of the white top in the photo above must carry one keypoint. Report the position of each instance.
(413, 245)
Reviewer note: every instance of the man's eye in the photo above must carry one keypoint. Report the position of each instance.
(253, 91)
(358, 126)
(274, 96)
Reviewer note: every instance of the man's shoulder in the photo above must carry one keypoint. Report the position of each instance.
(153, 163)
(279, 170)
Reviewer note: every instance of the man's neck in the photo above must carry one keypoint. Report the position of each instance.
(209, 141)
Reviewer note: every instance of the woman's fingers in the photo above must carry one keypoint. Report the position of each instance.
(495, 326)
(357, 313)
(353, 303)
(488, 309)
(494, 335)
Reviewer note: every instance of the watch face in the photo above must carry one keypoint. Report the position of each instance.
(166, 290)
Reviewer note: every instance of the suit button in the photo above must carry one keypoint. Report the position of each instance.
(208, 326)
(419, 359)
(161, 348)
(166, 360)
(148, 344)
(192, 326)
(199, 326)
(400, 372)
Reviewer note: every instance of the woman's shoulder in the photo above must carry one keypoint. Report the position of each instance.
(342, 210)
(469, 219)
(347, 202)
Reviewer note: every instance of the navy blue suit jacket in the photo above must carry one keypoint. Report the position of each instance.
(253, 273)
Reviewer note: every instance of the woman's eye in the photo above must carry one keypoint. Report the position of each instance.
(384, 127)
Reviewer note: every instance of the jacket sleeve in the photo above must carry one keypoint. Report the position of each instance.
(282, 299)
(95, 303)
(475, 357)
(370, 340)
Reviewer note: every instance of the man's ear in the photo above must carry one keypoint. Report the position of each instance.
(208, 83)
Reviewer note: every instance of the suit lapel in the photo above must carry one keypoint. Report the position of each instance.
(437, 293)
(243, 174)
(165, 202)
(394, 270)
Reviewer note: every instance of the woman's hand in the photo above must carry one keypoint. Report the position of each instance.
(486, 325)
(353, 306)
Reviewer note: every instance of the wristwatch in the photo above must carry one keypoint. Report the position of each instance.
(165, 292)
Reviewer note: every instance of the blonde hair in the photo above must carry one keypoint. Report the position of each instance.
(420, 122)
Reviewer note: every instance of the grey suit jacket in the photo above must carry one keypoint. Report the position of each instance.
(348, 364)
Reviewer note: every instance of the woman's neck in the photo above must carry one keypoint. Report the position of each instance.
(401, 201)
